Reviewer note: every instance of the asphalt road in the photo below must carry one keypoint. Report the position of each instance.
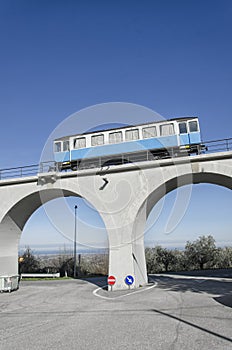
(173, 313)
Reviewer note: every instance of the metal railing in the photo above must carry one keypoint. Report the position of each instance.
(26, 171)
(218, 145)
(45, 167)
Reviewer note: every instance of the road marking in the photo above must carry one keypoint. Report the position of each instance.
(95, 292)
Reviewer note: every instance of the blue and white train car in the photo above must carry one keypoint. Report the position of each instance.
(161, 139)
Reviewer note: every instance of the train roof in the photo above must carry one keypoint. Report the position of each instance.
(126, 127)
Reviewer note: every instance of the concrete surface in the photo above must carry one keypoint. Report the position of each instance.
(170, 314)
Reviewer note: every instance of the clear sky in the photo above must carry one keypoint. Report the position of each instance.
(172, 56)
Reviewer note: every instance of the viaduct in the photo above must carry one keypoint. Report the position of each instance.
(123, 195)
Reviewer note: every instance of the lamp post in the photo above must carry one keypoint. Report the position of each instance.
(75, 243)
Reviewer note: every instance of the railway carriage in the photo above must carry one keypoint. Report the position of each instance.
(169, 138)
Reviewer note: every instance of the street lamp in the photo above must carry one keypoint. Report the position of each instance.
(75, 243)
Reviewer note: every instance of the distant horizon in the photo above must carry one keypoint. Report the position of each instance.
(62, 248)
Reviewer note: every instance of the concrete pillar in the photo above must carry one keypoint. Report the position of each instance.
(138, 247)
(9, 240)
(126, 249)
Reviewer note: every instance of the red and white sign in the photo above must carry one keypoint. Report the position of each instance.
(111, 280)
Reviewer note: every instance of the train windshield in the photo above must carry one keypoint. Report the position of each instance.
(66, 145)
(193, 126)
(57, 147)
(183, 128)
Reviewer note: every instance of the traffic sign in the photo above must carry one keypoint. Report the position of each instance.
(111, 280)
(129, 280)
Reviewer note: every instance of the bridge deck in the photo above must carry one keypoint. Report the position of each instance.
(53, 175)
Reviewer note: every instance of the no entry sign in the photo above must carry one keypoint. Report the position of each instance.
(111, 280)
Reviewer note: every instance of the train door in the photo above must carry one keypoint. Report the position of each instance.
(194, 132)
(184, 135)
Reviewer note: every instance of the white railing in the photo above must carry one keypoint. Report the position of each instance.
(40, 275)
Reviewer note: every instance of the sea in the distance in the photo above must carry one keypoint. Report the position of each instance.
(61, 250)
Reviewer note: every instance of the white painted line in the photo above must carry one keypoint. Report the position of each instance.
(95, 292)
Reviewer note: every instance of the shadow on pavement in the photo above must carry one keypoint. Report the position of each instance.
(98, 281)
(225, 300)
(193, 325)
(219, 288)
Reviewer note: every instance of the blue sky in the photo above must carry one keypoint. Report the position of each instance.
(58, 57)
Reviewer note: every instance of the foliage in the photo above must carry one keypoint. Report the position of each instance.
(87, 264)
(224, 258)
(165, 257)
(159, 259)
(28, 262)
(201, 253)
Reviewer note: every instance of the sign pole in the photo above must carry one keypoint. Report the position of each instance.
(111, 281)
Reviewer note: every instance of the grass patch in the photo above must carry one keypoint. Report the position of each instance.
(45, 278)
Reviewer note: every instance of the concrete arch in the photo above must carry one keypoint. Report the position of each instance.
(25, 203)
(32, 202)
(217, 175)
(174, 183)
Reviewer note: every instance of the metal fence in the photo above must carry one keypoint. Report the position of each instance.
(45, 167)
(218, 145)
(26, 171)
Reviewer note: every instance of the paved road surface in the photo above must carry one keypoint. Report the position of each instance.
(172, 314)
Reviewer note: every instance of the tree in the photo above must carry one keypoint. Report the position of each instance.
(180, 262)
(224, 258)
(28, 262)
(153, 265)
(166, 257)
(159, 259)
(149, 259)
(202, 251)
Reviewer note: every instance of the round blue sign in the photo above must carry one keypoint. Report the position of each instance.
(129, 280)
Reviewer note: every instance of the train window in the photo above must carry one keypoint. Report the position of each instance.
(79, 143)
(149, 132)
(57, 147)
(193, 126)
(66, 145)
(183, 128)
(132, 134)
(115, 137)
(97, 140)
(166, 129)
